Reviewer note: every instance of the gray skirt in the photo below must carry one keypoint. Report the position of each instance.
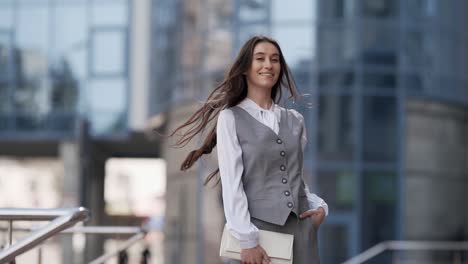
(305, 248)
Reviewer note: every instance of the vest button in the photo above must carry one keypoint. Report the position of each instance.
(282, 153)
(279, 141)
(284, 180)
(287, 193)
(283, 168)
(290, 205)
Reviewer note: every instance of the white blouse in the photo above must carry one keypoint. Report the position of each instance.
(231, 168)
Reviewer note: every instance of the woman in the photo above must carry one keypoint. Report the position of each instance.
(260, 153)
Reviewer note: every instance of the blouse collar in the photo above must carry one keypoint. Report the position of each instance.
(251, 105)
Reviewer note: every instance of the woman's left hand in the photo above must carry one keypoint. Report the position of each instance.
(317, 215)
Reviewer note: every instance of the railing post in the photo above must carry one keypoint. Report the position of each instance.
(39, 255)
(10, 238)
(10, 232)
(61, 219)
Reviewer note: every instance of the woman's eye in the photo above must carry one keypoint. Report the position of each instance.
(260, 59)
(275, 60)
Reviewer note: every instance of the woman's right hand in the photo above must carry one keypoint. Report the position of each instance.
(254, 255)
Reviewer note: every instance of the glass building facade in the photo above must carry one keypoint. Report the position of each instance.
(357, 63)
(60, 61)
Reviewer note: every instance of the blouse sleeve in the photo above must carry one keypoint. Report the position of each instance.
(231, 169)
(314, 200)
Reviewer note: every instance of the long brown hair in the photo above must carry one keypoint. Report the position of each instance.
(229, 93)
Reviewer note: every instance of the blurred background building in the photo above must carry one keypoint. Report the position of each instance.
(385, 94)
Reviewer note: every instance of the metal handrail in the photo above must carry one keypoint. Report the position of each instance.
(61, 219)
(407, 245)
(129, 242)
(138, 233)
(114, 230)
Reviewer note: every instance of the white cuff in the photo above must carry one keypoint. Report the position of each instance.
(249, 243)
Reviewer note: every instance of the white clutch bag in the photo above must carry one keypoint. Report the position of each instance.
(278, 246)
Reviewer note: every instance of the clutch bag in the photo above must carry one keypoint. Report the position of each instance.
(278, 246)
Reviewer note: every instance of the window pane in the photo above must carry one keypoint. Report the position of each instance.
(108, 122)
(4, 97)
(412, 50)
(380, 8)
(375, 57)
(449, 54)
(246, 32)
(379, 37)
(108, 52)
(6, 14)
(31, 95)
(338, 189)
(6, 121)
(4, 55)
(337, 9)
(412, 83)
(379, 208)
(253, 10)
(70, 41)
(336, 78)
(32, 2)
(421, 82)
(379, 129)
(336, 128)
(61, 121)
(447, 11)
(295, 52)
(419, 9)
(334, 245)
(33, 39)
(107, 95)
(64, 88)
(107, 102)
(294, 10)
(336, 46)
(110, 13)
(379, 80)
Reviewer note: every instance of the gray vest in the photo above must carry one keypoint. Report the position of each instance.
(272, 176)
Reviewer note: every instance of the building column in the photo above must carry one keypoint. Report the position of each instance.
(435, 177)
(68, 153)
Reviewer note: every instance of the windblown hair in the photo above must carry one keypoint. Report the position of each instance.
(231, 91)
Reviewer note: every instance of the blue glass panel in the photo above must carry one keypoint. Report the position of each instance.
(4, 97)
(253, 10)
(379, 36)
(336, 46)
(380, 8)
(70, 38)
(334, 245)
(379, 209)
(379, 129)
(296, 51)
(374, 80)
(109, 13)
(336, 128)
(108, 123)
(108, 52)
(6, 14)
(107, 95)
(5, 46)
(32, 36)
(338, 189)
(304, 10)
(246, 32)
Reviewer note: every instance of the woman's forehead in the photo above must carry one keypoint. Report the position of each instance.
(265, 48)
